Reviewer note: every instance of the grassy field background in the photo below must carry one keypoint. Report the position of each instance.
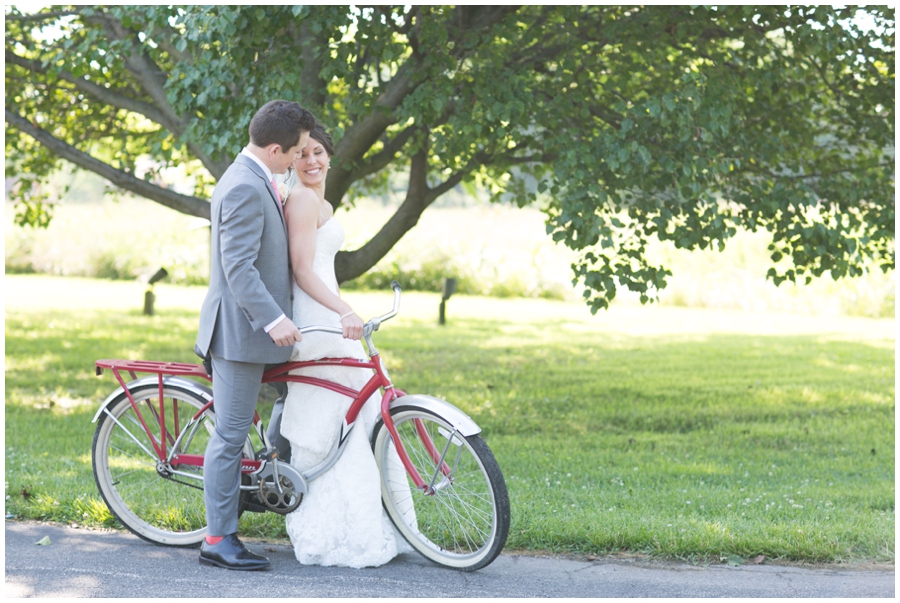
(701, 434)
(732, 421)
(493, 250)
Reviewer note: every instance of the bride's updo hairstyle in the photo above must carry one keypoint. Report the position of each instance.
(320, 135)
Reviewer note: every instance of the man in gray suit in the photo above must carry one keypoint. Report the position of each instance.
(246, 319)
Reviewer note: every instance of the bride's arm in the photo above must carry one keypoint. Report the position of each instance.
(302, 215)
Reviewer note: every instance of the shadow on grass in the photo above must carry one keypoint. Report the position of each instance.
(540, 381)
(676, 446)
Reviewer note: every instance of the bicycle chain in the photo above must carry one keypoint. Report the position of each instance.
(282, 507)
(178, 481)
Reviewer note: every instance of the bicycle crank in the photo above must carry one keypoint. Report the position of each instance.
(281, 488)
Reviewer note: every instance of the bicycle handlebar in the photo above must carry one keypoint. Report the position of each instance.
(371, 326)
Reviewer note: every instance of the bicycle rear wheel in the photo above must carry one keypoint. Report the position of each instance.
(141, 491)
(464, 521)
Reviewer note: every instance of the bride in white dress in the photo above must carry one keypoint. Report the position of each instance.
(341, 520)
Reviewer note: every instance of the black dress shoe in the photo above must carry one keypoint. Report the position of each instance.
(231, 553)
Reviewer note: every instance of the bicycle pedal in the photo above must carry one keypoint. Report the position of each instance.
(254, 506)
(267, 455)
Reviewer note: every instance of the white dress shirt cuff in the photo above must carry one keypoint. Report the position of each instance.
(272, 324)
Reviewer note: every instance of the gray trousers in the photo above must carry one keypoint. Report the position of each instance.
(236, 388)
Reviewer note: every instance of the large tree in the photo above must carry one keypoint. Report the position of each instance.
(626, 123)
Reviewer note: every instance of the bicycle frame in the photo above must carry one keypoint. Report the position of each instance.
(165, 418)
(280, 373)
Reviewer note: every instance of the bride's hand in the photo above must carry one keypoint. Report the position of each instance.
(353, 326)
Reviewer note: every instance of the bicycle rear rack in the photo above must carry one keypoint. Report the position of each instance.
(148, 366)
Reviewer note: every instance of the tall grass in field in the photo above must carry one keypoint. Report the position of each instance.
(124, 239)
(679, 433)
(492, 250)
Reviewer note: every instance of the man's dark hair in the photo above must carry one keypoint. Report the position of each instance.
(280, 122)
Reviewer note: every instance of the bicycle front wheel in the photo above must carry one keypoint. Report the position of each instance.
(153, 500)
(461, 519)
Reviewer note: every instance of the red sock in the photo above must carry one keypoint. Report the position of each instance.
(213, 540)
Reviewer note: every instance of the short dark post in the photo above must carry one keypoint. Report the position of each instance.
(149, 296)
(448, 287)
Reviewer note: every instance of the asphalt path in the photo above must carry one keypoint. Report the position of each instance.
(98, 563)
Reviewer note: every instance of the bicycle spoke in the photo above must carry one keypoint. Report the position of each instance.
(140, 461)
(457, 523)
(132, 436)
(153, 506)
(471, 525)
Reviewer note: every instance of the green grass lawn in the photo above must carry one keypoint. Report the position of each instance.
(679, 433)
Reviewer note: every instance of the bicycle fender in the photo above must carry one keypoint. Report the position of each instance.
(192, 386)
(460, 420)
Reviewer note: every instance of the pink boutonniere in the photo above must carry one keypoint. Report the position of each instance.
(282, 191)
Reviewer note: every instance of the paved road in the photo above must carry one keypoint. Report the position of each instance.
(88, 563)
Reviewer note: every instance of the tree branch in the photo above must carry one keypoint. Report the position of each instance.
(469, 17)
(41, 16)
(821, 71)
(311, 64)
(147, 72)
(384, 157)
(153, 80)
(350, 264)
(165, 42)
(446, 185)
(813, 176)
(360, 137)
(192, 206)
(101, 93)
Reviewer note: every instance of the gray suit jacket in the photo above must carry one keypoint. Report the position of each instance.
(250, 280)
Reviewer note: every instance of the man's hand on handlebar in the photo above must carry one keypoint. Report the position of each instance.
(285, 333)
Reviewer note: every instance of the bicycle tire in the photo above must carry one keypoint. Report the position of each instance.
(159, 509)
(465, 522)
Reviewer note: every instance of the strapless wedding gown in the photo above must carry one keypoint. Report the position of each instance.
(341, 520)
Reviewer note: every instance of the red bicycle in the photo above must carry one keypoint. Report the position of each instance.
(441, 485)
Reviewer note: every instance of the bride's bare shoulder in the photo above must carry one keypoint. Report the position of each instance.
(301, 192)
(303, 200)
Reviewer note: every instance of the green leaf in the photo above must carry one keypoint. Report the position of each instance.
(668, 101)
